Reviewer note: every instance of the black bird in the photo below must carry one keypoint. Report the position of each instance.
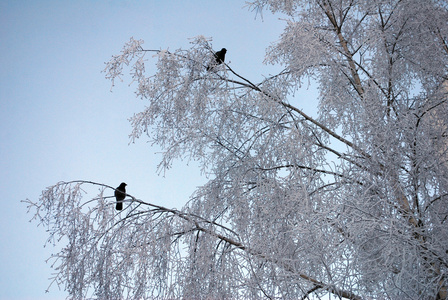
(219, 58)
(120, 194)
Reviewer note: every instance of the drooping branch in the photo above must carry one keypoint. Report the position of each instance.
(197, 222)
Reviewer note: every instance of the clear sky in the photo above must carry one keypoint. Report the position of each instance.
(61, 122)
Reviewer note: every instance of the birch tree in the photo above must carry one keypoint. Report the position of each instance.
(351, 202)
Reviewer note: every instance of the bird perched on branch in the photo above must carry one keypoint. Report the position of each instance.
(219, 58)
(120, 194)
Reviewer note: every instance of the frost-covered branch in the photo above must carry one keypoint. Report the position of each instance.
(350, 201)
(98, 232)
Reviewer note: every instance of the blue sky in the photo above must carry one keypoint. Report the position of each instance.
(61, 122)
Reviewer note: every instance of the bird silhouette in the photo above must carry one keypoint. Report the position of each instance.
(219, 58)
(120, 194)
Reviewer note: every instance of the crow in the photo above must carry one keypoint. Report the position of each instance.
(120, 194)
(219, 58)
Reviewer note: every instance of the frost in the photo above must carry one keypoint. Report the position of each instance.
(352, 202)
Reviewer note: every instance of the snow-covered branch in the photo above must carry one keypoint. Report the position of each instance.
(351, 201)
